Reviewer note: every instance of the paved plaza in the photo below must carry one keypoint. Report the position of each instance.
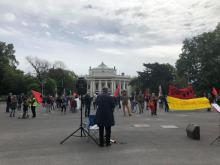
(141, 140)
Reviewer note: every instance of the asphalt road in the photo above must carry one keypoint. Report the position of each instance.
(141, 140)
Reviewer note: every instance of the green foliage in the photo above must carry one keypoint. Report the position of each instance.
(199, 61)
(50, 87)
(34, 86)
(153, 76)
(64, 79)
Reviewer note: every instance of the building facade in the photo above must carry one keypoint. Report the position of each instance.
(104, 76)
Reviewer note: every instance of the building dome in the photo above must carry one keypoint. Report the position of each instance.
(102, 70)
(102, 66)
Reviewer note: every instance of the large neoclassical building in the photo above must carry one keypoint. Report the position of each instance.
(104, 76)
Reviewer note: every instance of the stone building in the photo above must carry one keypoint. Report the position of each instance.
(104, 76)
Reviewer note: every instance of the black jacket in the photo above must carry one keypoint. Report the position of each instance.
(104, 114)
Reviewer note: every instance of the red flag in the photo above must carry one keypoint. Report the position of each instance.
(37, 96)
(214, 92)
(117, 91)
(183, 93)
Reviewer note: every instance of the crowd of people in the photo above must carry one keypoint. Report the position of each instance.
(104, 105)
(133, 103)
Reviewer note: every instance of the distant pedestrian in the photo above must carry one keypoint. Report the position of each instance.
(132, 102)
(8, 103)
(19, 98)
(73, 105)
(151, 106)
(64, 104)
(124, 99)
(25, 107)
(140, 101)
(104, 116)
(94, 101)
(155, 99)
(13, 105)
(88, 101)
(166, 106)
(211, 98)
(34, 104)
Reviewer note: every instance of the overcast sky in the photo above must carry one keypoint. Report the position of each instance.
(121, 33)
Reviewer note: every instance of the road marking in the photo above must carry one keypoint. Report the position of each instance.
(182, 115)
(141, 125)
(168, 126)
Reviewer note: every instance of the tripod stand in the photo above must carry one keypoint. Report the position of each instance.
(83, 131)
(218, 138)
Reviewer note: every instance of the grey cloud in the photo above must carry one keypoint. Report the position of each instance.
(88, 6)
(121, 11)
(139, 14)
(103, 24)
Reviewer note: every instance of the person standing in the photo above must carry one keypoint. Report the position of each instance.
(154, 98)
(25, 107)
(13, 105)
(19, 98)
(166, 106)
(132, 102)
(151, 106)
(94, 101)
(8, 102)
(140, 101)
(34, 104)
(88, 101)
(104, 116)
(124, 99)
(73, 105)
(64, 104)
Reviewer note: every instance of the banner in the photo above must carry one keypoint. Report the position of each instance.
(183, 93)
(37, 96)
(188, 104)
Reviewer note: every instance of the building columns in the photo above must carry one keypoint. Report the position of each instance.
(100, 86)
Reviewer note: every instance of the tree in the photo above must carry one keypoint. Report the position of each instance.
(12, 79)
(41, 68)
(153, 76)
(7, 56)
(50, 87)
(64, 79)
(199, 61)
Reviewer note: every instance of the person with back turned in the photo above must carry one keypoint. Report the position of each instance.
(104, 116)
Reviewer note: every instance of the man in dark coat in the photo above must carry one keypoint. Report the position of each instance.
(104, 116)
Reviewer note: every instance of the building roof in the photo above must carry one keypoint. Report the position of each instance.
(102, 66)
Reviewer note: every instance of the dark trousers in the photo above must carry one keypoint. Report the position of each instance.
(87, 110)
(24, 113)
(8, 107)
(107, 135)
(63, 108)
(33, 109)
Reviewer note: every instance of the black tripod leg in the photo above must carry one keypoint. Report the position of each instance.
(83, 132)
(90, 135)
(69, 136)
